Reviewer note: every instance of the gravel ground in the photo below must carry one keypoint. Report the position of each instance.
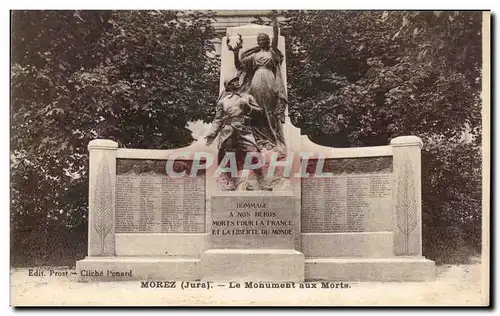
(454, 285)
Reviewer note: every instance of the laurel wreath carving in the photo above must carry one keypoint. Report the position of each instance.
(406, 206)
(103, 203)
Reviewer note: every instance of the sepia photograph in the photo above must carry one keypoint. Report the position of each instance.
(249, 158)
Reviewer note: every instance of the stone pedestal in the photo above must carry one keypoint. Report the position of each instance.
(252, 265)
(253, 236)
(256, 235)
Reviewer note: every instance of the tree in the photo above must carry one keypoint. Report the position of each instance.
(133, 76)
(356, 78)
(359, 78)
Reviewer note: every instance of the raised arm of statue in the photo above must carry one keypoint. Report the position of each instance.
(237, 61)
(236, 51)
(274, 43)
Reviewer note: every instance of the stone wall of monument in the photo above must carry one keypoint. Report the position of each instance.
(149, 201)
(357, 197)
(327, 227)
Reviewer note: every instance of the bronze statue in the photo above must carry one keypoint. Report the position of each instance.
(250, 110)
(232, 124)
(259, 71)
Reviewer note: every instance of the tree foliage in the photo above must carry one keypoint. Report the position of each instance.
(355, 78)
(136, 77)
(361, 78)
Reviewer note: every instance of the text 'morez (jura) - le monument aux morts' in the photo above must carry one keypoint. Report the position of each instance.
(362, 222)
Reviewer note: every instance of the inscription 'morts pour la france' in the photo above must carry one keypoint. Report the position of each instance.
(149, 201)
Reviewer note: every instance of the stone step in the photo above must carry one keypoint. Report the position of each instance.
(252, 265)
(370, 269)
(141, 268)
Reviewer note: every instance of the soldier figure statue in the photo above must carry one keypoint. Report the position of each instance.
(232, 124)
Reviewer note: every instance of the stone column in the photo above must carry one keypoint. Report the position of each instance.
(102, 181)
(407, 195)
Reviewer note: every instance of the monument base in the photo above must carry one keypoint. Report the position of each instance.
(370, 269)
(279, 265)
(138, 268)
(252, 265)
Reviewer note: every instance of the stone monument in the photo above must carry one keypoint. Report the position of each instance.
(337, 214)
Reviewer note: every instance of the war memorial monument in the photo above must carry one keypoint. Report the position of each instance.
(255, 200)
